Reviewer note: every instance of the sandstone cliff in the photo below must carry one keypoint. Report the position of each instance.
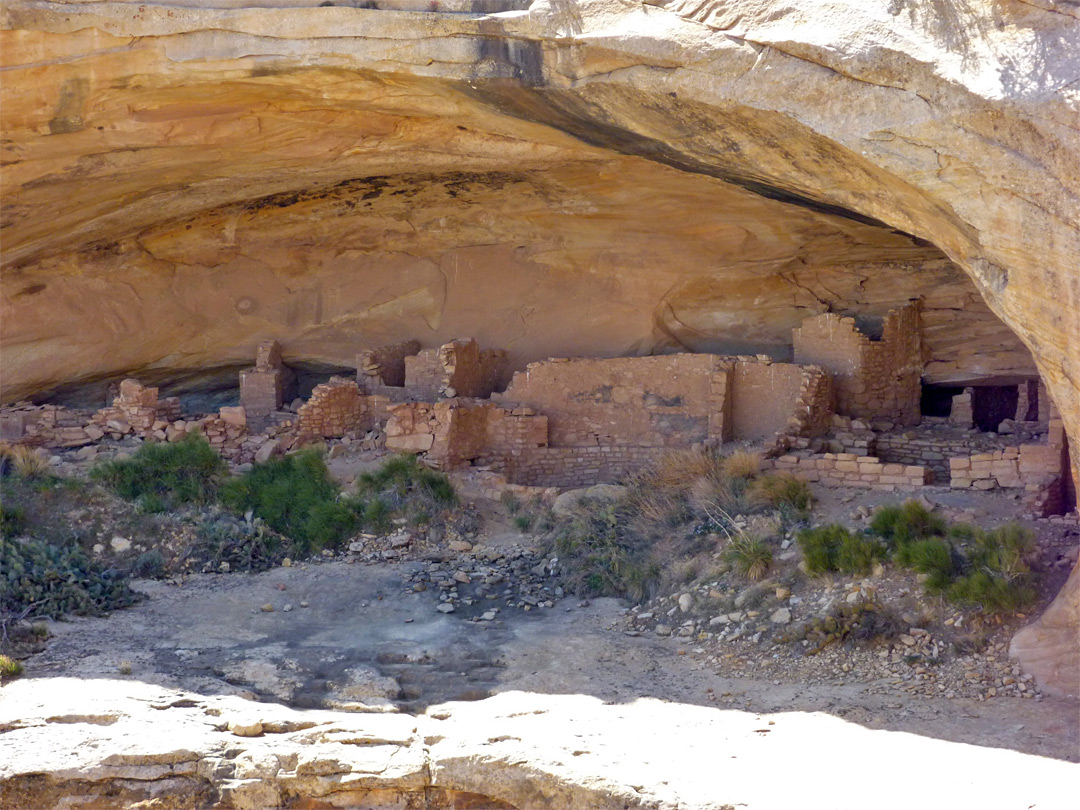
(575, 176)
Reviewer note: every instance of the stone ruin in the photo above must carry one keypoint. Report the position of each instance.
(847, 412)
(266, 386)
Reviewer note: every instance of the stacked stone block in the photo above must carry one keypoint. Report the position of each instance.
(137, 410)
(850, 470)
(384, 366)
(264, 388)
(962, 413)
(334, 409)
(875, 379)
(455, 369)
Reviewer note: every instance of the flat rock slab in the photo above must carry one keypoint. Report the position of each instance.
(111, 743)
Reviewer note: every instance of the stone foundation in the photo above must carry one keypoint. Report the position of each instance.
(850, 470)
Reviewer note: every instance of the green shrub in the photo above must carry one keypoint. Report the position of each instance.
(1003, 549)
(297, 498)
(782, 491)
(404, 488)
(523, 522)
(245, 547)
(992, 592)
(9, 667)
(600, 555)
(12, 521)
(820, 546)
(996, 578)
(750, 556)
(857, 554)
(931, 556)
(57, 579)
(163, 476)
(403, 476)
(149, 565)
(903, 523)
(834, 548)
(377, 516)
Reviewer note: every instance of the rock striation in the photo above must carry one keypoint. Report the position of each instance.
(183, 180)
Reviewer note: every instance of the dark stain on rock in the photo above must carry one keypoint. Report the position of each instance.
(32, 289)
(69, 108)
(589, 123)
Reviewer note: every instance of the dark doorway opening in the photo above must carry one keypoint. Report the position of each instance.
(937, 399)
(991, 404)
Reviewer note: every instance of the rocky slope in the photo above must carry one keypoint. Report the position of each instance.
(581, 176)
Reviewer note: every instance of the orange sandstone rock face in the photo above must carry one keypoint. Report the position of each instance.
(183, 181)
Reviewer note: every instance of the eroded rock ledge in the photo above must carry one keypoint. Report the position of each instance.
(113, 744)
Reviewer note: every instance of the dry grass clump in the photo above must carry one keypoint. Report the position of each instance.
(29, 462)
(781, 491)
(742, 464)
(750, 555)
(677, 470)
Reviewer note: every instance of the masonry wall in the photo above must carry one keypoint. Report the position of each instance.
(849, 470)
(576, 466)
(334, 409)
(763, 398)
(667, 401)
(385, 365)
(874, 379)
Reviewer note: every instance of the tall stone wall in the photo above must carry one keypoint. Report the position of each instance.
(667, 401)
(456, 369)
(873, 379)
(334, 409)
(763, 396)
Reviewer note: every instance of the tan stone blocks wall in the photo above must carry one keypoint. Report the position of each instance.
(1029, 466)
(669, 400)
(763, 398)
(137, 409)
(334, 409)
(385, 365)
(455, 369)
(962, 414)
(879, 379)
(578, 466)
(850, 470)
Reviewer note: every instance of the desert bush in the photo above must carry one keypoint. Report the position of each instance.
(834, 548)
(9, 667)
(780, 491)
(931, 556)
(847, 623)
(29, 462)
(749, 555)
(995, 576)
(677, 470)
(523, 522)
(52, 579)
(164, 475)
(903, 523)
(742, 464)
(296, 497)
(12, 521)
(404, 488)
(601, 555)
(511, 502)
(992, 592)
(149, 565)
(244, 546)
